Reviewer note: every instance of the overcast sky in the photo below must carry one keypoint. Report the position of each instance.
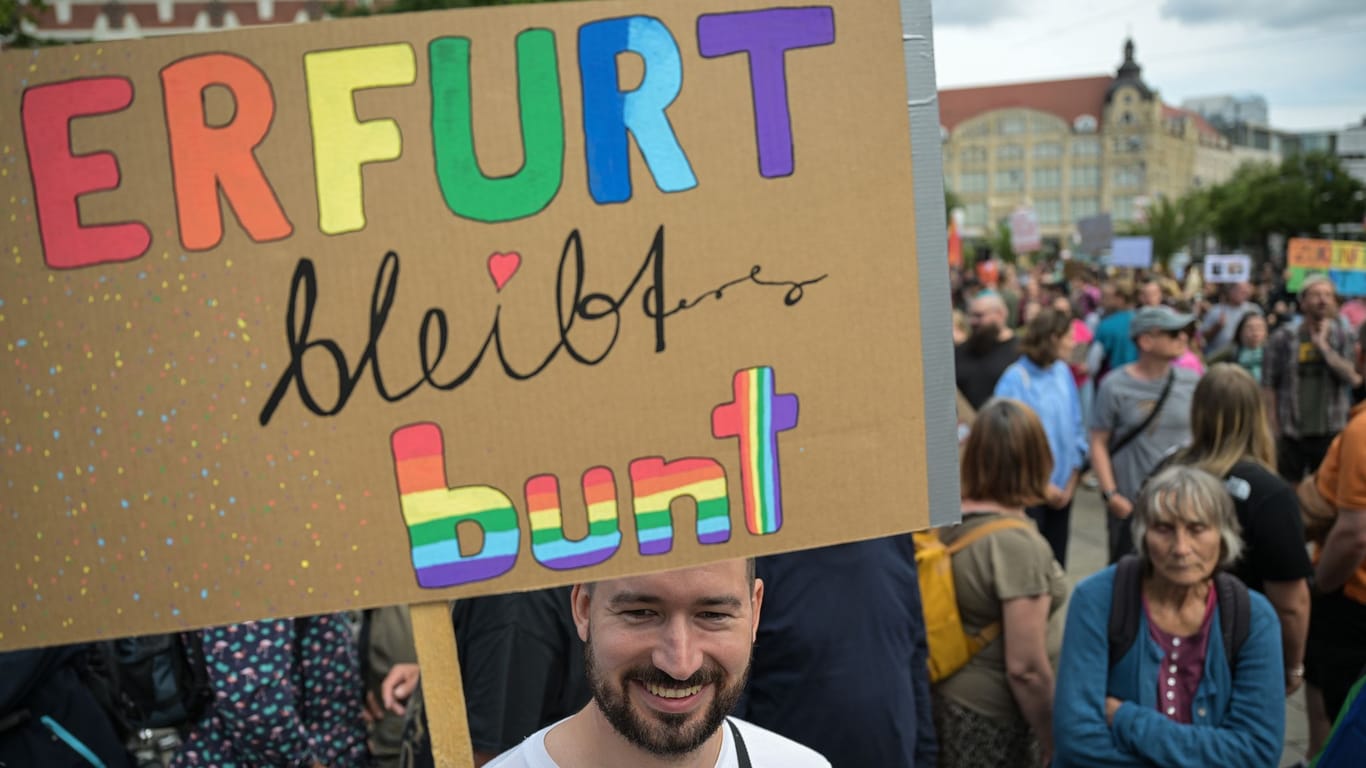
(1307, 58)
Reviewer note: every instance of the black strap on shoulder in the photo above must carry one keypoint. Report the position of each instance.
(1235, 614)
(741, 753)
(1235, 610)
(1157, 408)
(197, 670)
(1125, 606)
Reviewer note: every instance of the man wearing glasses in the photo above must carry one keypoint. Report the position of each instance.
(1141, 413)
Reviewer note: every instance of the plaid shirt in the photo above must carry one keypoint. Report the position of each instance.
(1285, 350)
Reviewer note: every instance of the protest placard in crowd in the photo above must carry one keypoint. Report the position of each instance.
(406, 308)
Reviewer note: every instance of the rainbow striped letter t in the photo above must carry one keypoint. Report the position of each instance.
(756, 416)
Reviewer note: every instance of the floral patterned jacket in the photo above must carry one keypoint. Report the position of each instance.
(286, 693)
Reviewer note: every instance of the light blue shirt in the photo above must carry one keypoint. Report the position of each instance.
(1052, 393)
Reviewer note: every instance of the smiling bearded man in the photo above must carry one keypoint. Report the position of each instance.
(663, 732)
(667, 656)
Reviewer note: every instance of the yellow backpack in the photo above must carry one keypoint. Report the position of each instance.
(950, 647)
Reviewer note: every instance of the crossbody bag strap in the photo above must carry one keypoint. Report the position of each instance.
(1157, 408)
(741, 753)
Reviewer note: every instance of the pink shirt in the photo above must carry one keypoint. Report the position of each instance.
(1191, 361)
(1183, 664)
(1354, 312)
(1083, 335)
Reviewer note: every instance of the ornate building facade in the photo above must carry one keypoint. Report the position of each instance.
(82, 20)
(1070, 149)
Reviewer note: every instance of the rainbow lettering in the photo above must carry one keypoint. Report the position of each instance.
(210, 161)
(655, 483)
(756, 416)
(343, 145)
(434, 513)
(548, 543)
(609, 114)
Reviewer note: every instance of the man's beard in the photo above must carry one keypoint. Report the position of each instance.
(665, 734)
(982, 339)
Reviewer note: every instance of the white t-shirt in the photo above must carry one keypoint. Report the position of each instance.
(766, 750)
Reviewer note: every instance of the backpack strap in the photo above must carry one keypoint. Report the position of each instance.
(993, 630)
(1125, 606)
(1235, 614)
(1235, 610)
(191, 645)
(980, 531)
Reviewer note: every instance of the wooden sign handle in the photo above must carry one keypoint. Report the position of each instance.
(443, 692)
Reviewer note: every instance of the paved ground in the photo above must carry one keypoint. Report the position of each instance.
(1086, 554)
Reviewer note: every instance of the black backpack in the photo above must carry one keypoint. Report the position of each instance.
(1126, 604)
(151, 681)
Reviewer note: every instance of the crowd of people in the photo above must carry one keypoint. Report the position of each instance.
(1217, 426)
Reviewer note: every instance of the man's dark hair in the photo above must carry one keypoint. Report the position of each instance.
(749, 576)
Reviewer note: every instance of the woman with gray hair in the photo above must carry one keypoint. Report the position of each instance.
(1166, 660)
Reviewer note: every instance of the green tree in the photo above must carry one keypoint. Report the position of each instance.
(1300, 196)
(1173, 224)
(998, 240)
(405, 6)
(1254, 203)
(13, 14)
(951, 201)
(1335, 196)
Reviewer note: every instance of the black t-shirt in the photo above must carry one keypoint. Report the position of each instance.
(1273, 531)
(840, 661)
(46, 683)
(522, 664)
(977, 375)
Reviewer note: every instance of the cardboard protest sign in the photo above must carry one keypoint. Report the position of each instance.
(1344, 261)
(1349, 283)
(1228, 268)
(407, 308)
(1097, 233)
(1349, 268)
(1297, 275)
(1349, 256)
(1308, 253)
(1132, 252)
(1024, 231)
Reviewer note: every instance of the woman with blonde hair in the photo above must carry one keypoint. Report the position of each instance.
(997, 709)
(1231, 439)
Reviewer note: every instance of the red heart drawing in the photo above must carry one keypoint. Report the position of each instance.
(502, 266)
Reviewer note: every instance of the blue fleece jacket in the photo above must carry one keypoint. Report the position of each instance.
(1239, 714)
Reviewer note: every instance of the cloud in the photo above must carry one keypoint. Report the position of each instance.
(972, 13)
(1275, 14)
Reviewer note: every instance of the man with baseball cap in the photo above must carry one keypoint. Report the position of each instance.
(1142, 412)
